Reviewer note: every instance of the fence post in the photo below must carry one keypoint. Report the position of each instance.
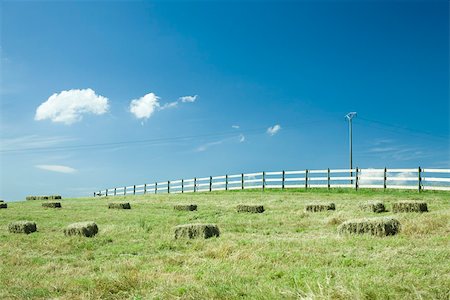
(328, 178)
(306, 179)
(263, 180)
(156, 188)
(210, 183)
(106, 192)
(242, 181)
(420, 180)
(226, 182)
(95, 193)
(134, 189)
(182, 186)
(145, 188)
(384, 178)
(356, 178)
(115, 191)
(168, 186)
(124, 190)
(195, 184)
(282, 180)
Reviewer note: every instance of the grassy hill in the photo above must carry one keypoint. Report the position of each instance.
(283, 253)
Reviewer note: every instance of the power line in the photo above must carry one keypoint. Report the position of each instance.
(254, 131)
(414, 131)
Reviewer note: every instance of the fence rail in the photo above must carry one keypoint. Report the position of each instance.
(417, 178)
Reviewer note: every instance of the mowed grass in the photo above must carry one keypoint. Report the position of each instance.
(283, 253)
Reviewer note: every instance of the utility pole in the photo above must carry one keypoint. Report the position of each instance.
(349, 118)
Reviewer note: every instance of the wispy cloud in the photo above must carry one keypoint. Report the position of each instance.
(206, 146)
(235, 126)
(68, 107)
(188, 98)
(241, 138)
(32, 141)
(273, 130)
(56, 168)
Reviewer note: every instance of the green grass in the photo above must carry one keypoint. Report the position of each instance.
(283, 253)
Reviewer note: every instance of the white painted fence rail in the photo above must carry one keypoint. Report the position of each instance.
(417, 178)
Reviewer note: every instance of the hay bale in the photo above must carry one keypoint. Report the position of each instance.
(22, 227)
(373, 206)
(256, 209)
(51, 204)
(315, 207)
(3, 205)
(409, 206)
(119, 205)
(190, 207)
(383, 226)
(193, 231)
(87, 229)
(51, 197)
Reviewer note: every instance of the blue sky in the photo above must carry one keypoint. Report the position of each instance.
(242, 68)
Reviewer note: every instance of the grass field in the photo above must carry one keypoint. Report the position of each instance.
(283, 253)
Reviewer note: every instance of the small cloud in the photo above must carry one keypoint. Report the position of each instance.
(188, 98)
(235, 126)
(169, 105)
(273, 130)
(69, 106)
(56, 168)
(144, 107)
(205, 147)
(241, 138)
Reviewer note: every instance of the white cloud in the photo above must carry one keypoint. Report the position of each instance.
(169, 105)
(204, 147)
(69, 106)
(273, 130)
(241, 138)
(56, 168)
(235, 126)
(188, 98)
(145, 106)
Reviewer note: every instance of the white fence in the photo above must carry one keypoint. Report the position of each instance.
(417, 178)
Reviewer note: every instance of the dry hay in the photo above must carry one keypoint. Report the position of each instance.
(51, 204)
(409, 206)
(51, 197)
(87, 229)
(119, 205)
(381, 226)
(22, 227)
(373, 206)
(320, 207)
(256, 209)
(190, 207)
(193, 231)
(3, 205)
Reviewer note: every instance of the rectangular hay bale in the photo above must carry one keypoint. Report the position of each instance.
(383, 226)
(3, 205)
(373, 206)
(119, 205)
(316, 207)
(409, 206)
(51, 197)
(26, 227)
(87, 229)
(51, 204)
(193, 231)
(190, 207)
(256, 209)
